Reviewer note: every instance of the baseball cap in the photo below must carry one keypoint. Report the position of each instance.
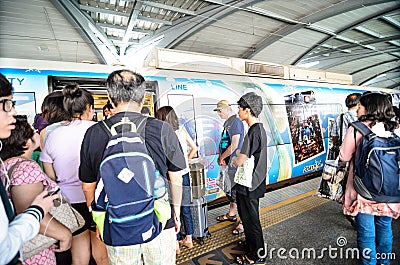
(222, 104)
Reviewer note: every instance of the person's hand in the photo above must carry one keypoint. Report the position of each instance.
(66, 241)
(233, 161)
(98, 233)
(177, 224)
(45, 202)
(222, 162)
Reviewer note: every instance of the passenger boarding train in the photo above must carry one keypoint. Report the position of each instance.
(299, 104)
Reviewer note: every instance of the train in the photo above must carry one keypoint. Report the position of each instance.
(300, 104)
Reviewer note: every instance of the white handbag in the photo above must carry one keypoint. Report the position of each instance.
(244, 173)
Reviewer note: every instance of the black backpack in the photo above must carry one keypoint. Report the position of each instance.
(377, 175)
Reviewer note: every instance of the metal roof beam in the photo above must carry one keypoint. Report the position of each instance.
(94, 36)
(345, 48)
(185, 27)
(338, 60)
(103, 11)
(111, 26)
(120, 41)
(372, 66)
(333, 10)
(155, 20)
(170, 8)
(132, 20)
(218, 2)
(391, 21)
(377, 75)
(124, 14)
(395, 85)
(356, 23)
(272, 15)
(369, 32)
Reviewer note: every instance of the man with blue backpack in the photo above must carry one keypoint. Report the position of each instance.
(121, 158)
(373, 187)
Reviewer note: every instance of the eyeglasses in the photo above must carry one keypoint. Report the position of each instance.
(8, 104)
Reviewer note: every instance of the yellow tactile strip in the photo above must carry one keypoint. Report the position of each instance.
(221, 234)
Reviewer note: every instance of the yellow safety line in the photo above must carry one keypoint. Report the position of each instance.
(294, 206)
(266, 209)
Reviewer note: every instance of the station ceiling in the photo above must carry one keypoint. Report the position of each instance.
(357, 37)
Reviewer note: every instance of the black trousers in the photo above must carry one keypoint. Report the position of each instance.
(248, 212)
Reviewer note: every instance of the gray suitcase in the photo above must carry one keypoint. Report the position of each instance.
(199, 211)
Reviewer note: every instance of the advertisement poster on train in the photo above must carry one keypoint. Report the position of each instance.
(304, 124)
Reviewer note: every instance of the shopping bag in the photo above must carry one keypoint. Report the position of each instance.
(333, 180)
(244, 173)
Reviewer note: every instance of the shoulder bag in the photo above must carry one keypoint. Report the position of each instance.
(62, 212)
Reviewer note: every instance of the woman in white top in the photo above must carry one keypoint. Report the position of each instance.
(61, 160)
(168, 115)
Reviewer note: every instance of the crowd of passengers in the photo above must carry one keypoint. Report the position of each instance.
(71, 147)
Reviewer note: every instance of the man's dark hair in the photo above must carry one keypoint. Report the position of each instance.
(253, 102)
(125, 86)
(352, 100)
(6, 88)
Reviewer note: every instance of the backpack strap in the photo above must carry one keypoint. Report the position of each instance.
(105, 128)
(341, 128)
(361, 127)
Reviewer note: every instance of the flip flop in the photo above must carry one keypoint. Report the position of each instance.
(226, 217)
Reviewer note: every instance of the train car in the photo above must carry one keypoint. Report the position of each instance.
(299, 104)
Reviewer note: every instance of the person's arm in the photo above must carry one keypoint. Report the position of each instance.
(42, 136)
(88, 191)
(87, 171)
(22, 196)
(348, 147)
(24, 227)
(239, 159)
(192, 145)
(49, 170)
(176, 189)
(231, 148)
(47, 158)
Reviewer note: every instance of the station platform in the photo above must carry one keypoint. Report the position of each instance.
(298, 227)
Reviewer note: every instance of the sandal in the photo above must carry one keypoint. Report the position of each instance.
(238, 231)
(244, 260)
(242, 244)
(227, 217)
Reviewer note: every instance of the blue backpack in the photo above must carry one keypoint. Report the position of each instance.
(125, 188)
(377, 175)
